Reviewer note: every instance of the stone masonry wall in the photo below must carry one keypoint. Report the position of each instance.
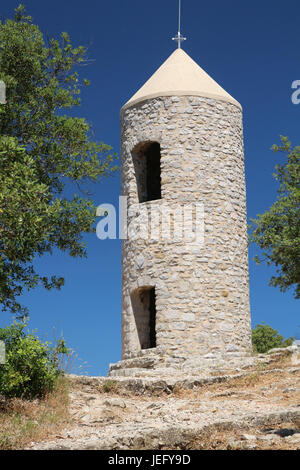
(202, 292)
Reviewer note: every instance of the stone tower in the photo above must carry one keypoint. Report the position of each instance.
(185, 306)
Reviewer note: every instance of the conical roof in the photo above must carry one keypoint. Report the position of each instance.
(180, 75)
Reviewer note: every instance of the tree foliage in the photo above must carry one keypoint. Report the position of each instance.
(31, 368)
(41, 150)
(264, 338)
(277, 231)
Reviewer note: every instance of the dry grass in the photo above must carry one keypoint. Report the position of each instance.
(23, 421)
(231, 438)
(256, 384)
(111, 387)
(280, 361)
(272, 361)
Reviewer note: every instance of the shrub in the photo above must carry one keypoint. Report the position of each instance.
(32, 368)
(264, 338)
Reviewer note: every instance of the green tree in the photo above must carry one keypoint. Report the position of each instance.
(264, 338)
(42, 150)
(31, 367)
(277, 231)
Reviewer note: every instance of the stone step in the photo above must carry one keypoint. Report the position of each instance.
(153, 366)
(144, 352)
(143, 362)
(138, 372)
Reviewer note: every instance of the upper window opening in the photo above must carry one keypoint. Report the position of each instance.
(146, 160)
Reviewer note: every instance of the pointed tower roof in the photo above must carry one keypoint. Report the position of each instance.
(180, 75)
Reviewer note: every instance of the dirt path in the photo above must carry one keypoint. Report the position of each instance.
(244, 411)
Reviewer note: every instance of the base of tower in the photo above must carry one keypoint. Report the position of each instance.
(153, 363)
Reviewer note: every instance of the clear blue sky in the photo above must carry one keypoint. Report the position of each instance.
(252, 50)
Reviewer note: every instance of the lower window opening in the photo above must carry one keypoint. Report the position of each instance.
(144, 310)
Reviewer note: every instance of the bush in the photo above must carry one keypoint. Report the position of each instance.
(264, 338)
(32, 368)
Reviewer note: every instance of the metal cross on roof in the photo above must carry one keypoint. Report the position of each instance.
(179, 38)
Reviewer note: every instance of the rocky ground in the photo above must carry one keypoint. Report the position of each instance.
(257, 408)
